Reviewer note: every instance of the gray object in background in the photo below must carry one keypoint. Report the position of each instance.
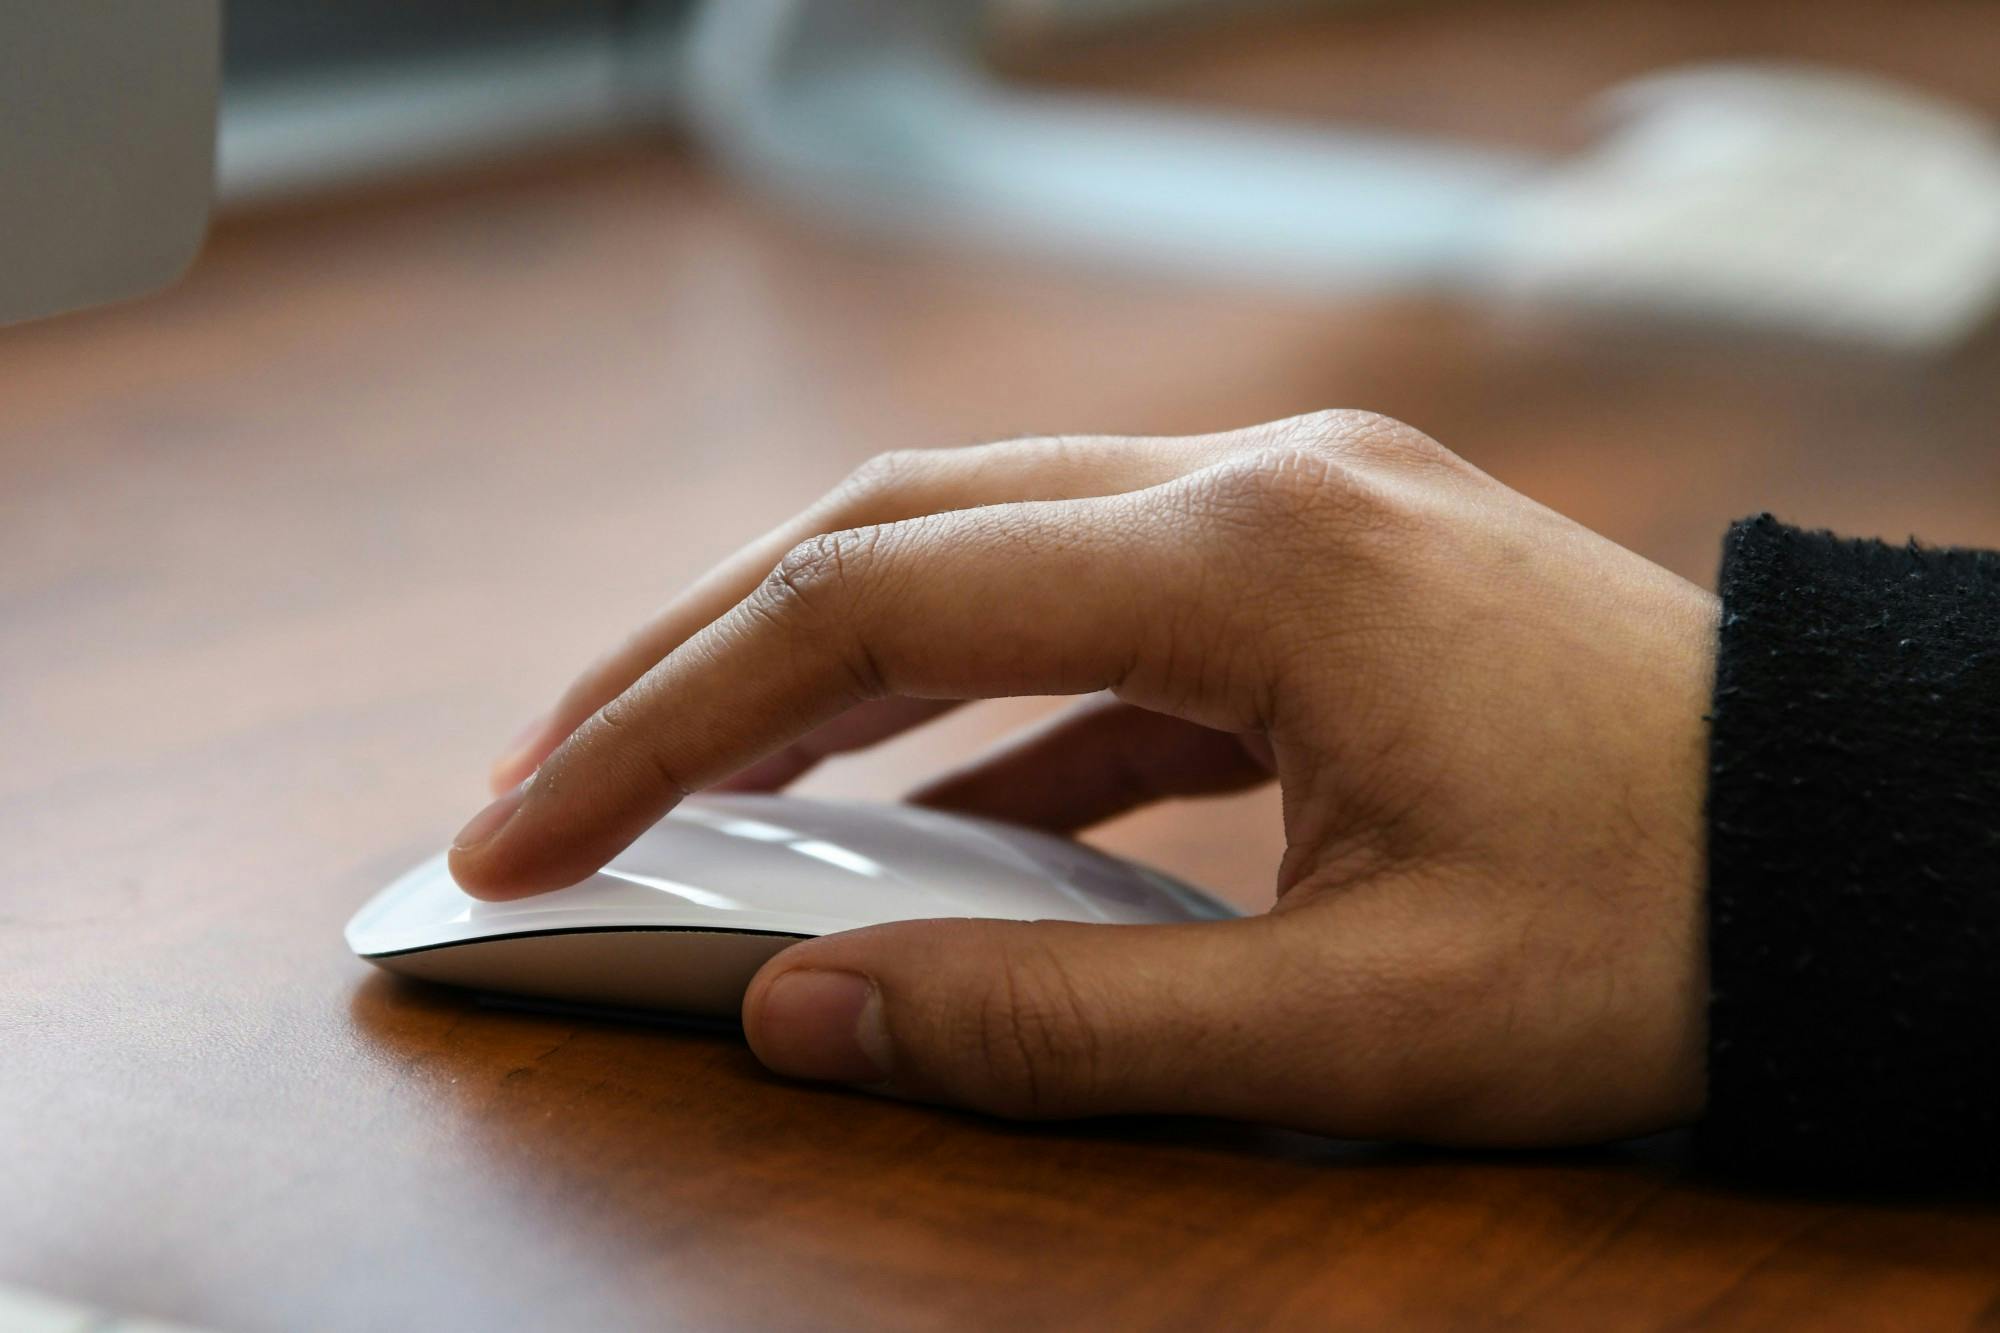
(107, 143)
(329, 94)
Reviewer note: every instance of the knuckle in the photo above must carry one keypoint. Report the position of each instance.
(1285, 486)
(820, 570)
(1028, 456)
(816, 594)
(886, 474)
(1053, 450)
(1361, 437)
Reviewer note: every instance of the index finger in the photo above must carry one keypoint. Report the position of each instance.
(1012, 599)
(889, 488)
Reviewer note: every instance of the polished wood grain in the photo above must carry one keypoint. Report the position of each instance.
(286, 555)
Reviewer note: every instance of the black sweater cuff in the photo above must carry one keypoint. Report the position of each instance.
(1854, 861)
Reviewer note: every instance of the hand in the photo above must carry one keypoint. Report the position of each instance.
(1487, 723)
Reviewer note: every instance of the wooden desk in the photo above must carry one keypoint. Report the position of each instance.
(286, 555)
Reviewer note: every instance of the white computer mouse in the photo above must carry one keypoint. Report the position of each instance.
(682, 919)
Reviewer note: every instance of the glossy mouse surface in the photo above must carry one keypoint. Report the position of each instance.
(681, 920)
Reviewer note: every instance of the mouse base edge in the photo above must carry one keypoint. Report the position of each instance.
(625, 969)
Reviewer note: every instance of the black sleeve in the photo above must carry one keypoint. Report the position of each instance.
(1854, 862)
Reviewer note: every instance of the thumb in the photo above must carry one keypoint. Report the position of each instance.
(1040, 1019)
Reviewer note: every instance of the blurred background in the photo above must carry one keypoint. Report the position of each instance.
(518, 313)
(1765, 167)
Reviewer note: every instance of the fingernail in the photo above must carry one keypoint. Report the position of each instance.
(825, 1026)
(482, 826)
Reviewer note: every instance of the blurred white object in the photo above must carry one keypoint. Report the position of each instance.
(1777, 196)
(1787, 197)
(24, 1311)
(878, 109)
